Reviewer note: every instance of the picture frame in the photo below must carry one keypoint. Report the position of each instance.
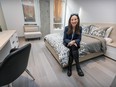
(28, 10)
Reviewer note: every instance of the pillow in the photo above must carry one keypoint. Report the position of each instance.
(85, 29)
(93, 28)
(108, 31)
(108, 40)
(99, 32)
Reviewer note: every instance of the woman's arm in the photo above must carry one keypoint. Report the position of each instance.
(78, 40)
(66, 40)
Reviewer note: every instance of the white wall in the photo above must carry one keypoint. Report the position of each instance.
(13, 13)
(72, 7)
(91, 11)
(2, 21)
(97, 11)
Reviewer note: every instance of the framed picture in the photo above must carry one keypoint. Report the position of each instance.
(28, 10)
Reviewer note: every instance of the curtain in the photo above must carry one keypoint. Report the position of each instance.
(57, 10)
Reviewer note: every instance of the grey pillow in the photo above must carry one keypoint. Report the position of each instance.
(85, 29)
(101, 32)
(93, 28)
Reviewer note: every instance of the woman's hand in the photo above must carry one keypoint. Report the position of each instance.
(75, 44)
(72, 43)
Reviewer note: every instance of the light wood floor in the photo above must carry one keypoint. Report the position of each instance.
(99, 72)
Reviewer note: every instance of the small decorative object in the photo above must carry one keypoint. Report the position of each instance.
(0, 29)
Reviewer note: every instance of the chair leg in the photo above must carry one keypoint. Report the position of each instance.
(10, 85)
(28, 72)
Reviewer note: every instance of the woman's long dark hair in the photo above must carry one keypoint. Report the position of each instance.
(70, 30)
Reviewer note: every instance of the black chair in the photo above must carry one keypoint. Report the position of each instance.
(14, 65)
(113, 84)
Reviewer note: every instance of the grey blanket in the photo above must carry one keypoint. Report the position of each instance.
(93, 43)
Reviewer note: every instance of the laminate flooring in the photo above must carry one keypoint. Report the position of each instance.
(99, 72)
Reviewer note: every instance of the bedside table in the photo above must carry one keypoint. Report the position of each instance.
(111, 51)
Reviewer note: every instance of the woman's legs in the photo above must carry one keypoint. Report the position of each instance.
(75, 54)
(69, 73)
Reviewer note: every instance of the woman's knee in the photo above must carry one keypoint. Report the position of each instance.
(74, 48)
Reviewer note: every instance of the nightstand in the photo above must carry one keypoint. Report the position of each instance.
(111, 51)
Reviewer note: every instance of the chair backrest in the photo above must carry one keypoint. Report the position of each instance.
(14, 65)
(113, 84)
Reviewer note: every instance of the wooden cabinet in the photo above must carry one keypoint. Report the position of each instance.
(111, 52)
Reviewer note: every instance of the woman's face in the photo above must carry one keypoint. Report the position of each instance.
(74, 21)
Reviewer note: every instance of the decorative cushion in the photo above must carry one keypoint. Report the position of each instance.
(108, 40)
(93, 28)
(99, 32)
(108, 31)
(85, 29)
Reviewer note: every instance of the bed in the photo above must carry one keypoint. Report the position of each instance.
(91, 46)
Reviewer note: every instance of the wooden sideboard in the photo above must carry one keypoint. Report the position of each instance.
(8, 40)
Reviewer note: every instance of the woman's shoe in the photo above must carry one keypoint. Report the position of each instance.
(80, 72)
(69, 73)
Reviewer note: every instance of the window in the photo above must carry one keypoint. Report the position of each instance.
(59, 14)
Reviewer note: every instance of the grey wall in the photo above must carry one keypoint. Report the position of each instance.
(13, 14)
(45, 16)
(2, 20)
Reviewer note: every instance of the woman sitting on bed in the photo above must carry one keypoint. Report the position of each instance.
(71, 39)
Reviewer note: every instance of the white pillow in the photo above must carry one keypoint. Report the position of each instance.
(108, 40)
(108, 31)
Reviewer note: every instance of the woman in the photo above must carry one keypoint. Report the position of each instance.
(71, 39)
